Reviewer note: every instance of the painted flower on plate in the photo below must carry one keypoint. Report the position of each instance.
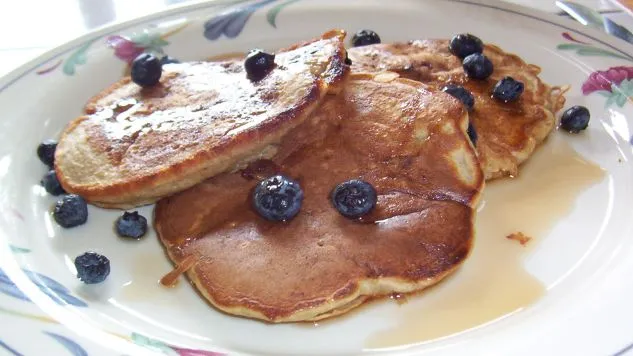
(232, 22)
(604, 79)
(615, 84)
(124, 48)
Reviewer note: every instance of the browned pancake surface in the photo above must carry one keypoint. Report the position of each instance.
(203, 118)
(410, 144)
(508, 133)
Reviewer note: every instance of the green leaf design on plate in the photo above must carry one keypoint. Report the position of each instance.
(16, 249)
(77, 58)
(611, 100)
(620, 100)
(150, 41)
(271, 15)
(600, 52)
(606, 94)
(588, 50)
(626, 86)
(572, 46)
(152, 344)
(620, 93)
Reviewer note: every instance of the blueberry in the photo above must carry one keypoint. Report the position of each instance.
(354, 198)
(461, 94)
(477, 66)
(51, 184)
(92, 267)
(71, 211)
(46, 152)
(364, 38)
(146, 70)
(472, 133)
(168, 60)
(507, 89)
(575, 119)
(131, 225)
(277, 198)
(465, 44)
(258, 64)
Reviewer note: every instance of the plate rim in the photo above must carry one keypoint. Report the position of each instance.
(52, 53)
(11, 77)
(55, 51)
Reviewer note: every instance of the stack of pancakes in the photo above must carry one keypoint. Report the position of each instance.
(199, 141)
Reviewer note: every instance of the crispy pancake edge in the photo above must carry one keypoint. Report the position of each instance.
(364, 291)
(146, 189)
(353, 294)
(504, 162)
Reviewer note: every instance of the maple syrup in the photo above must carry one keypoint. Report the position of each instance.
(493, 282)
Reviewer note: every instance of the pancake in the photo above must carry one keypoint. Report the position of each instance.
(137, 145)
(507, 133)
(409, 143)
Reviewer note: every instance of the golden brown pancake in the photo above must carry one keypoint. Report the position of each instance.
(203, 118)
(409, 143)
(508, 133)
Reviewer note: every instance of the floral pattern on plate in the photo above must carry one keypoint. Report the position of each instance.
(150, 40)
(126, 48)
(614, 83)
(53, 289)
(69, 67)
(231, 23)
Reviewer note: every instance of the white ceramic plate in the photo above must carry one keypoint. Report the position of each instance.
(582, 261)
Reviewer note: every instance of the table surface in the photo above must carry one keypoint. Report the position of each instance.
(30, 27)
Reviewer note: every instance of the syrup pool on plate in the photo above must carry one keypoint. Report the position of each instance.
(493, 282)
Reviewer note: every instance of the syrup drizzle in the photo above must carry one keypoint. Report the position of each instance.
(493, 282)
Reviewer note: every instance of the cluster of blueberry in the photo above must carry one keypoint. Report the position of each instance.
(478, 66)
(279, 198)
(72, 210)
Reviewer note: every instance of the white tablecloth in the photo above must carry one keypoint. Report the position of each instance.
(30, 27)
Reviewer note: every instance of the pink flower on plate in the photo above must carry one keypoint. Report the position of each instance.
(125, 49)
(603, 80)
